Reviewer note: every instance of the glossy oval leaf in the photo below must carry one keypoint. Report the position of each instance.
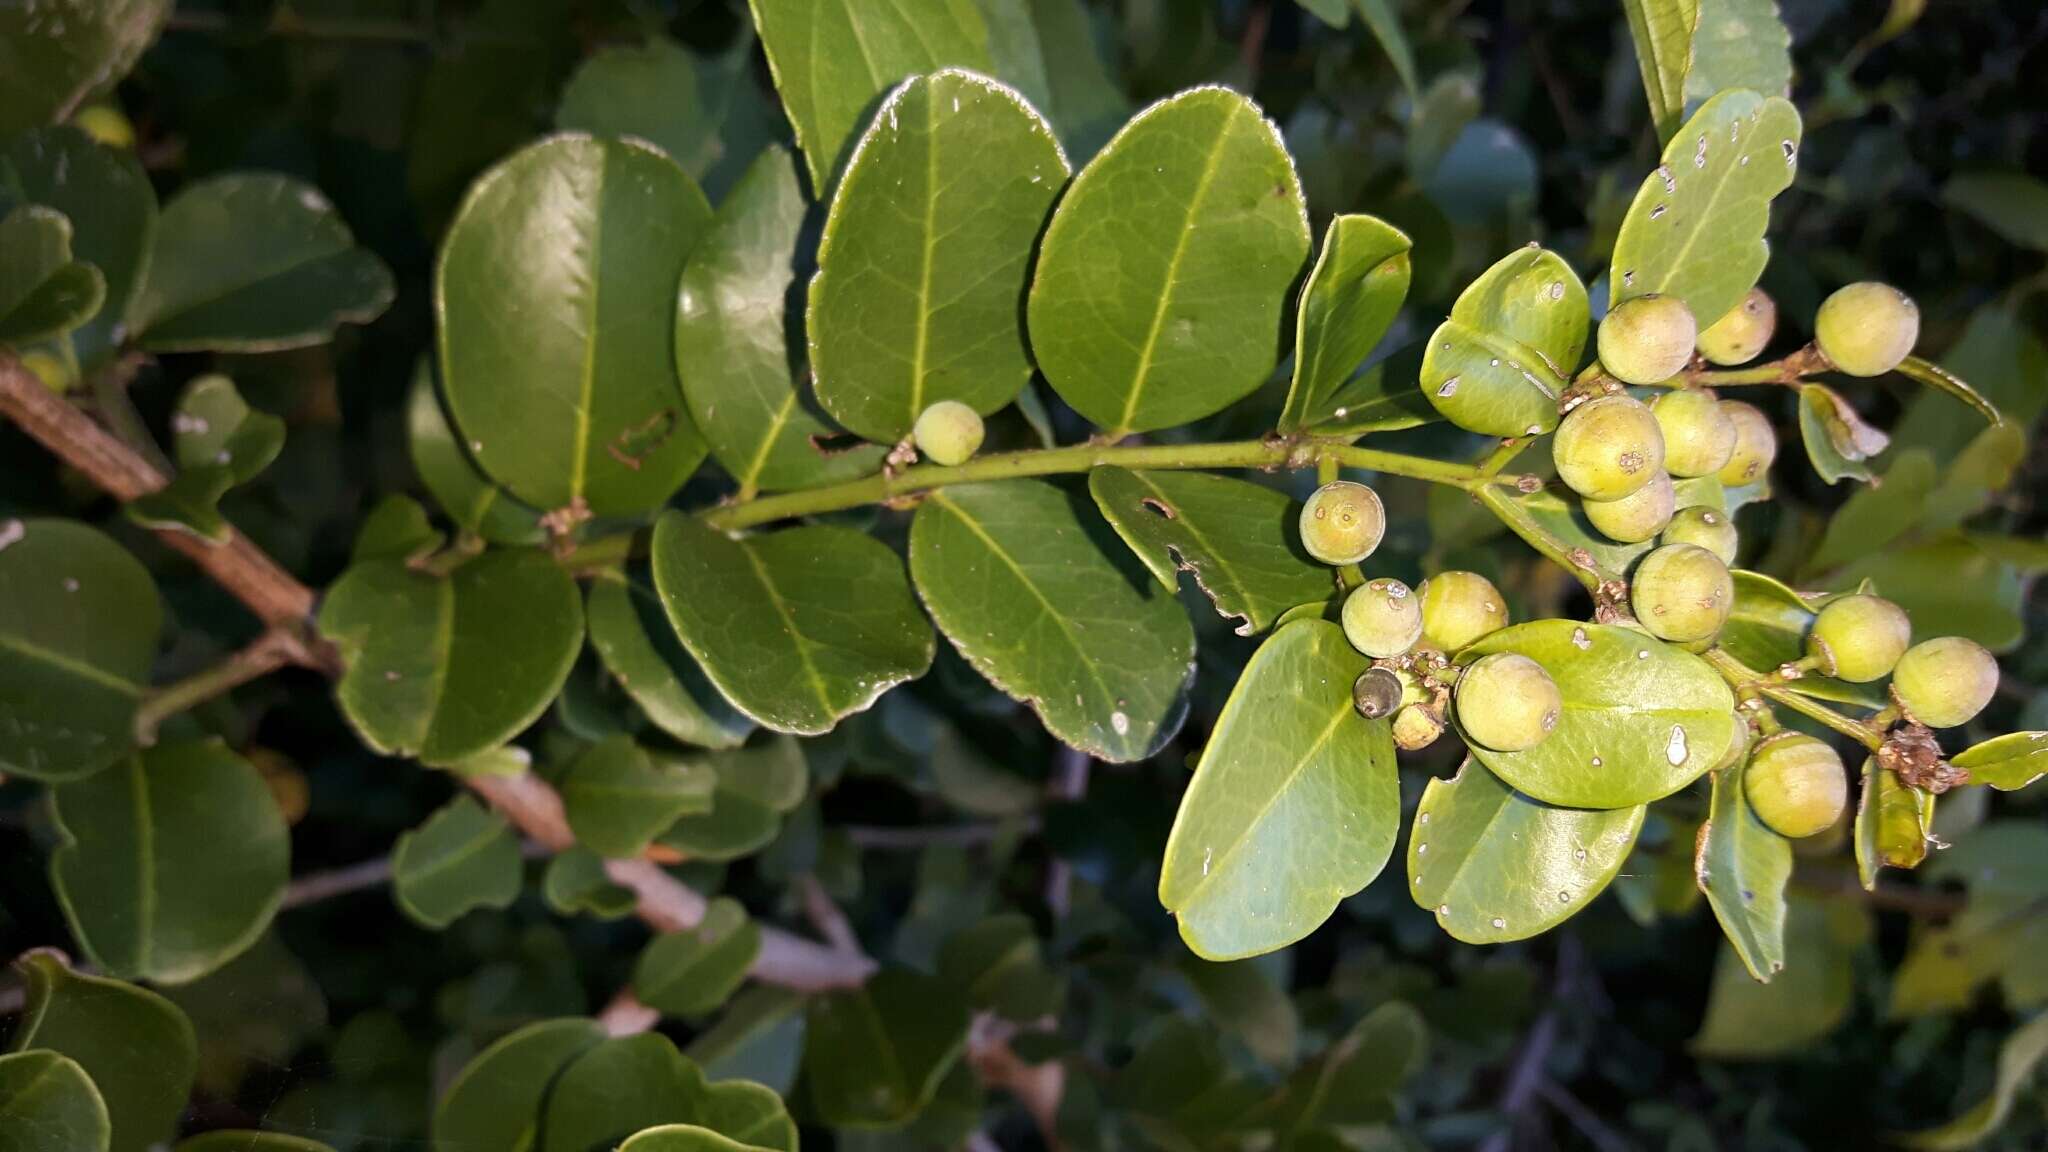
(1294, 804)
(47, 1101)
(494, 1103)
(694, 971)
(1020, 584)
(1508, 351)
(1238, 539)
(1696, 227)
(79, 619)
(874, 1055)
(464, 857)
(43, 292)
(137, 1047)
(1743, 867)
(248, 1140)
(831, 58)
(922, 268)
(1746, 1020)
(2007, 763)
(1839, 442)
(1494, 865)
(618, 796)
(213, 427)
(142, 877)
(254, 262)
(1894, 821)
(582, 241)
(1767, 627)
(53, 56)
(636, 645)
(1739, 44)
(575, 883)
(1663, 31)
(1348, 303)
(733, 349)
(431, 672)
(682, 1138)
(113, 213)
(757, 786)
(1162, 279)
(617, 1088)
(472, 500)
(797, 628)
(1641, 718)
(650, 91)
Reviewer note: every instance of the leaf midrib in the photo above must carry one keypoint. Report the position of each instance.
(70, 664)
(579, 464)
(796, 637)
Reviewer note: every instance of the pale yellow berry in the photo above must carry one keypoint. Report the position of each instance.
(1507, 702)
(1608, 447)
(1342, 522)
(948, 432)
(1647, 339)
(1458, 608)
(1796, 785)
(1867, 328)
(1699, 437)
(1743, 333)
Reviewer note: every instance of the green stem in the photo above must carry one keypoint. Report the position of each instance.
(271, 651)
(1739, 675)
(1788, 371)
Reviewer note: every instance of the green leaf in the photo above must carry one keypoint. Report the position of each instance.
(757, 785)
(831, 58)
(748, 1113)
(216, 428)
(1237, 538)
(1696, 227)
(2003, 864)
(145, 883)
(1767, 628)
(694, 971)
(1048, 50)
(2012, 204)
(1952, 586)
(136, 1046)
(43, 292)
(467, 496)
(1384, 21)
(682, 1138)
(2021, 1053)
(970, 779)
(52, 57)
(874, 1055)
(1383, 398)
(254, 262)
(1641, 718)
(1245, 1001)
(463, 858)
(797, 628)
(108, 198)
(617, 1088)
(648, 92)
(1875, 516)
(79, 619)
(1999, 350)
(1499, 363)
(1746, 1020)
(1739, 44)
(926, 252)
(999, 965)
(396, 528)
(1663, 34)
(1935, 376)
(494, 1103)
(1016, 579)
(1563, 516)
(1743, 867)
(2007, 763)
(1893, 822)
(1349, 301)
(47, 1101)
(431, 671)
(1494, 865)
(642, 653)
(583, 409)
(1294, 804)
(618, 796)
(1357, 1078)
(758, 1037)
(189, 503)
(576, 882)
(231, 1140)
(1162, 279)
(733, 351)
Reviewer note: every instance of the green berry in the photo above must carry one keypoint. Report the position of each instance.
(1342, 522)
(1796, 785)
(1742, 334)
(948, 432)
(1377, 692)
(1698, 436)
(1756, 445)
(1637, 516)
(1458, 608)
(1866, 328)
(1944, 682)
(1507, 702)
(1647, 339)
(1859, 638)
(1416, 726)
(1608, 447)
(1682, 593)
(1714, 531)
(1383, 618)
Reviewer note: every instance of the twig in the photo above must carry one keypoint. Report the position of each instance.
(275, 649)
(1038, 1087)
(626, 1015)
(825, 914)
(314, 887)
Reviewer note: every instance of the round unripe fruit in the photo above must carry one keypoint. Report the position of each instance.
(1698, 436)
(1637, 516)
(1383, 618)
(1742, 334)
(1416, 727)
(1342, 522)
(1507, 702)
(1458, 608)
(1377, 692)
(1682, 593)
(1608, 448)
(1647, 339)
(1756, 445)
(54, 374)
(1714, 531)
(948, 432)
(106, 124)
(1796, 785)
(1866, 328)
(1945, 681)
(1859, 638)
